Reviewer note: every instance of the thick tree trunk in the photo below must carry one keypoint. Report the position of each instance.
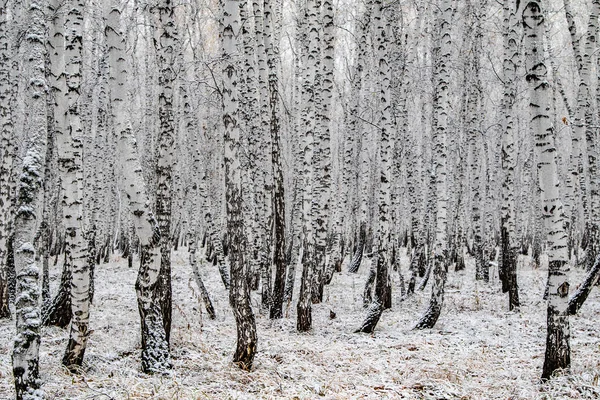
(25, 354)
(310, 55)
(384, 252)
(558, 355)
(166, 54)
(70, 161)
(155, 349)
(239, 294)
(441, 112)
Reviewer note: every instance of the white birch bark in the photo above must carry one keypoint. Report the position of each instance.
(155, 352)
(25, 354)
(7, 154)
(70, 162)
(441, 111)
(166, 43)
(239, 294)
(383, 255)
(310, 58)
(508, 273)
(558, 334)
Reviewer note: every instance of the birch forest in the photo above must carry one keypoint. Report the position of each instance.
(299, 199)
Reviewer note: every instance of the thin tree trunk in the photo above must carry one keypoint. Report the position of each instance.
(585, 288)
(7, 154)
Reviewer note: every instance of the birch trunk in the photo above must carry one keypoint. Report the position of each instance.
(309, 57)
(271, 45)
(441, 111)
(7, 154)
(239, 294)
(25, 354)
(155, 351)
(166, 56)
(558, 354)
(509, 246)
(70, 162)
(383, 255)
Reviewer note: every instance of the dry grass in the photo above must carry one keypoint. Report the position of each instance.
(477, 350)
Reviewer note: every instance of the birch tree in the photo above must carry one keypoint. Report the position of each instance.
(558, 354)
(309, 60)
(155, 350)
(271, 45)
(239, 295)
(508, 242)
(6, 156)
(70, 162)
(383, 256)
(165, 43)
(441, 111)
(26, 346)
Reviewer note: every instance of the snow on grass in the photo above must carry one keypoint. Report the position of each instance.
(477, 350)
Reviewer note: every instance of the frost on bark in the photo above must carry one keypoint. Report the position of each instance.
(155, 349)
(7, 153)
(239, 294)
(383, 255)
(508, 242)
(441, 115)
(69, 140)
(25, 355)
(558, 355)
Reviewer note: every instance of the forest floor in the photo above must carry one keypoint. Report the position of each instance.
(477, 350)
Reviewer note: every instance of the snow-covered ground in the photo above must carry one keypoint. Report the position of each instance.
(477, 350)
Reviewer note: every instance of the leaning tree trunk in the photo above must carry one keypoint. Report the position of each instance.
(25, 355)
(585, 288)
(155, 350)
(558, 354)
(210, 309)
(441, 114)
(239, 293)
